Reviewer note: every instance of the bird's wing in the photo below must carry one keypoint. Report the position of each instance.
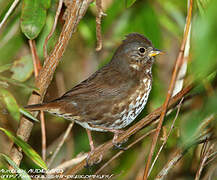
(92, 97)
(97, 93)
(105, 83)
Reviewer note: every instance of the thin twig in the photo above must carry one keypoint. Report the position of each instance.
(9, 12)
(128, 147)
(98, 24)
(53, 27)
(166, 138)
(35, 58)
(70, 163)
(37, 67)
(43, 134)
(203, 161)
(179, 62)
(170, 164)
(60, 144)
(205, 123)
(203, 149)
(211, 157)
(179, 153)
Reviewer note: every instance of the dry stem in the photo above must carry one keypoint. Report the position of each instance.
(60, 144)
(35, 58)
(10, 10)
(128, 147)
(204, 159)
(179, 62)
(53, 28)
(166, 138)
(37, 67)
(43, 135)
(179, 153)
(98, 24)
(75, 11)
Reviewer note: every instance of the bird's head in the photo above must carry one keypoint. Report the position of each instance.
(136, 52)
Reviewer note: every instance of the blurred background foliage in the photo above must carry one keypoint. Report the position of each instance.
(163, 22)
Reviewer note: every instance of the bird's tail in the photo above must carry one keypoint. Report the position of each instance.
(37, 107)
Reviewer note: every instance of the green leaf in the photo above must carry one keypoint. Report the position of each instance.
(130, 3)
(10, 40)
(27, 149)
(28, 114)
(202, 5)
(204, 44)
(5, 67)
(17, 83)
(10, 103)
(22, 69)
(33, 17)
(22, 173)
(10, 49)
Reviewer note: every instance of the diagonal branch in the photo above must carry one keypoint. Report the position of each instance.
(167, 136)
(75, 12)
(179, 62)
(10, 10)
(178, 154)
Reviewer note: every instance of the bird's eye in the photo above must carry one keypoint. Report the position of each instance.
(142, 50)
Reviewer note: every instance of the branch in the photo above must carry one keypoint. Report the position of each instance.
(43, 135)
(53, 28)
(98, 24)
(204, 159)
(75, 12)
(179, 153)
(68, 130)
(35, 58)
(179, 62)
(122, 151)
(166, 138)
(9, 12)
(37, 68)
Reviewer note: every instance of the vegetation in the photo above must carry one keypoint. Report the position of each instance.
(188, 131)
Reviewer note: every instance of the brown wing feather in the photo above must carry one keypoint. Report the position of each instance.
(95, 94)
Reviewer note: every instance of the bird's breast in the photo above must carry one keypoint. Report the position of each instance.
(132, 106)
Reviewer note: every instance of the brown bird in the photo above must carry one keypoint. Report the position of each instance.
(113, 96)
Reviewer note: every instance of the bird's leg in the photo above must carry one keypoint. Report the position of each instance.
(90, 140)
(114, 140)
(116, 133)
(92, 149)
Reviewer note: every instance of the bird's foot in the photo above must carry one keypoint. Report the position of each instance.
(97, 161)
(118, 145)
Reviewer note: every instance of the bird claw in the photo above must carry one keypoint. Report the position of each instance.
(93, 163)
(119, 146)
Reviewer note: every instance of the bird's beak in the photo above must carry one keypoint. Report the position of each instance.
(155, 52)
